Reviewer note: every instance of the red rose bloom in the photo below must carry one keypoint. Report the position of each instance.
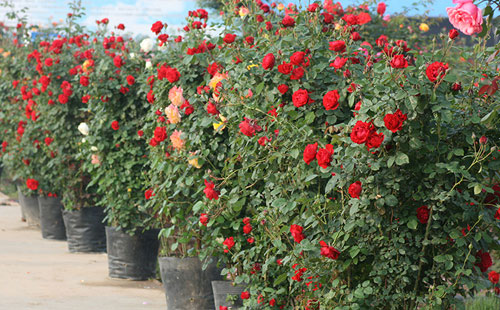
(121, 27)
(247, 229)
(497, 214)
(394, 122)
(453, 33)
(493, 276)
(355, 189)
(157, 27)
(381, 8)
(285, 68)
(312, 7)
(297, 58)
(282, 88)
(331, 100)
(245, 295)
(297, 73)
(436, 70)
(268, 61)
(324, 156)
(115, 125)
(246, 128)
(210, 191)
(32, 184)
(48, 62)
(374, 140)
(118, 61)
(160, 134)
(204, 219)
(300, 98)
(48, 141)
(148, 194)
(310, 152)
(483, 260)
(212, 109)
(130, 80)
(399, 62)
(360, 132)
(337, 46)
(288, 21)
(423, 214)
(172, 75)
(229, 243)
(329, 251)
(229, 38)
(296, 231)
(84, 81)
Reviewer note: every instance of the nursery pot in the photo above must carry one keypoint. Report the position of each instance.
(222, 289)
(29, 208)
(132, 257)
(85, 230)
(187, 286)
(51, 218)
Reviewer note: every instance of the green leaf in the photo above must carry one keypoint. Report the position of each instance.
(310, 117)
(390, 162)
(259, 88)
(282, 277)
(412, 224)
(197, 206)
(477, 189)
(401, 159)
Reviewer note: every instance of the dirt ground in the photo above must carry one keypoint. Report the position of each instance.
(39, 274)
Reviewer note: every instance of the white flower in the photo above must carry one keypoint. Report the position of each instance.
(148, 64)
(84, 129)
(84, 140)
(93, 149)
(132, 55)
(147, 45)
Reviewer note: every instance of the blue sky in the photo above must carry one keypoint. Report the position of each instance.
(138, 15)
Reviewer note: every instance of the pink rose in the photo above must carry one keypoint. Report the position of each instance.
(466, 17)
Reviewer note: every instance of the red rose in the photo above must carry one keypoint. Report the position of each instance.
(337, 46)
(210, 191)
(423, 214)
(204, 219)
(493, 276)
(229, 243)
(130, 80)
(48, 62)
(48, 141)
(172, 75)
(456, 86)
(436, 70)
(285, 68)
(140, 133)
(245, 295)
(297, 58)
(288, 21)
(246, 128)
(483, 260)
(329, 251)
(324, 156)
(121, 27)
(360, 132)
(399, 62)
(355, 36)
(212, 109)
(312, 7)
(84, 81)
(310, 152)
(331, 100)
(148, 194)
(63, 99)
(381, 8)
(374, 140)
(394, 122)
(249, 40)
(115, 125)
(355, 189)
(247, 229)
(297, 73)
(32, 184)
(300, 97)
(157, 27)
(268, 61)
(118, 61)
(296, 231)
(497, 214)
(338, 63)
(453, 33)
(229, 38)
(160, 134)
(282, 88)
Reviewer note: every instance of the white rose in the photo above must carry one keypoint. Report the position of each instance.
(132, 55)
(148, 64)
(147, 45)
(93, 149)
(84, 140)
(84, 129)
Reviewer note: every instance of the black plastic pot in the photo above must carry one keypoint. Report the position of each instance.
(85, 230)
(132, 257)
(29, 208)
(187, 286)
(51, 218)
(222, 289)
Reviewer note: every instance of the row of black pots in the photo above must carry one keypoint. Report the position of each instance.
(187, 286)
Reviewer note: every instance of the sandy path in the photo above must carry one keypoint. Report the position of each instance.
(42, 274)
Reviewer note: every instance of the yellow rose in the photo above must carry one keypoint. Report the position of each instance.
(423, 27)
(221, 125)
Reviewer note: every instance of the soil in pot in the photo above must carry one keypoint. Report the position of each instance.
(132, 257)
(85, 230)
(187, 285)
(30, 208)
(51, 218)
(223, 289)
